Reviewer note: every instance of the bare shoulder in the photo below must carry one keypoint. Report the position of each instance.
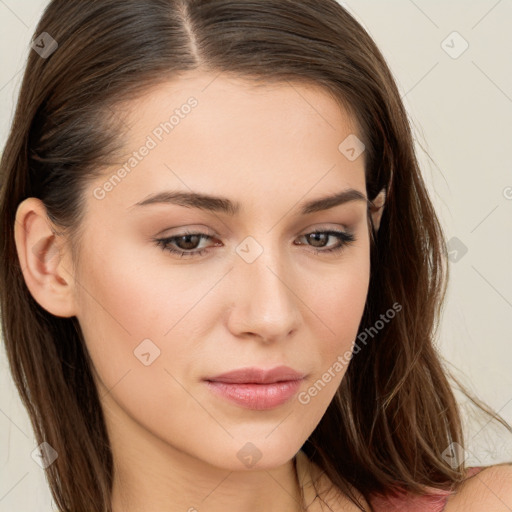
(489, 490)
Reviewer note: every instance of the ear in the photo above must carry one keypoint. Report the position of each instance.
(377, 208)
(44, 260)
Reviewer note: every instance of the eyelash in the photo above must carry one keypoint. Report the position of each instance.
(344, 237)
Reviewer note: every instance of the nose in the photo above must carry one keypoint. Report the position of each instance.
(264, 303)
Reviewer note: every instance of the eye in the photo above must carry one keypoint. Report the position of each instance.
(186, 244)
(320, 237)
(187, 240)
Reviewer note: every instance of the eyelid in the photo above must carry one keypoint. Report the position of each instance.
(201, 229)
(188, 229)
(345, 237)
(327, 226)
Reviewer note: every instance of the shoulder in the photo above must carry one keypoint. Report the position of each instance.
(490, 489)
(486, 489)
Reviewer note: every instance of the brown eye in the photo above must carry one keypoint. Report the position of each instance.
(189, 241)
(318, 239)
(184, 244)
(321, 238)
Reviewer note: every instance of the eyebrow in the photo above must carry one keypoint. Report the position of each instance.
(224, 205)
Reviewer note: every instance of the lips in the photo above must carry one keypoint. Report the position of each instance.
(255, 375)
(257, 388)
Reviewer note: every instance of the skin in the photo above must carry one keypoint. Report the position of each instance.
(175, 444)
(489, 490)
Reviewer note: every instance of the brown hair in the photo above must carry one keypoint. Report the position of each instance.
(394, 413)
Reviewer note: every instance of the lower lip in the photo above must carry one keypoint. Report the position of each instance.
(257, 396)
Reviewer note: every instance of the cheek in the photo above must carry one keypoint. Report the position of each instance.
(340, 291)
(126, 312)
(136, 290)
(344, 303)
(129, 309)
(337, 303)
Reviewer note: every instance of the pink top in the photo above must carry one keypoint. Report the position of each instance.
(403, 502)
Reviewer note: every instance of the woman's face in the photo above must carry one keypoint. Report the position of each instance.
(256, 288)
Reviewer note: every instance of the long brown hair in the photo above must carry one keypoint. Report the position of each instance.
(394, 413)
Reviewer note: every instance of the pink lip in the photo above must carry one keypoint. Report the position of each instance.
(254, 375)
(256, 388)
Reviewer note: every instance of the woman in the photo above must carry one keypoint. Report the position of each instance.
(221, 270)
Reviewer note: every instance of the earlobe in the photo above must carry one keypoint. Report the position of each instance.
(377, 208)
(44, 263)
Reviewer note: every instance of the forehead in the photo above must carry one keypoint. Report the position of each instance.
(214, 133)
(232, 92)
(223, 105)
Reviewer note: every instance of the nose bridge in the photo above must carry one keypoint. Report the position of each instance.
(265, 303)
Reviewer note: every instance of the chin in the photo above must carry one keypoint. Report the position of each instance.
(256, 453)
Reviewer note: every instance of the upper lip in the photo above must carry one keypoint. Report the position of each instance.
(253, 375)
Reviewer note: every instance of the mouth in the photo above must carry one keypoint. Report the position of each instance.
(257, 396)
(253, 375)
(257, 388)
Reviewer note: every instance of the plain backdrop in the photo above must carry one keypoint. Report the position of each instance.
(453, 64)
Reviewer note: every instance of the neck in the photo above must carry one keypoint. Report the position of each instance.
(189, 485)
(151, 475)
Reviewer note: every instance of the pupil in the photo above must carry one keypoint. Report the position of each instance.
(317, 238)
(187, 241)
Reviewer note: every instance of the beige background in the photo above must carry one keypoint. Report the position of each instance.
(461, 110)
